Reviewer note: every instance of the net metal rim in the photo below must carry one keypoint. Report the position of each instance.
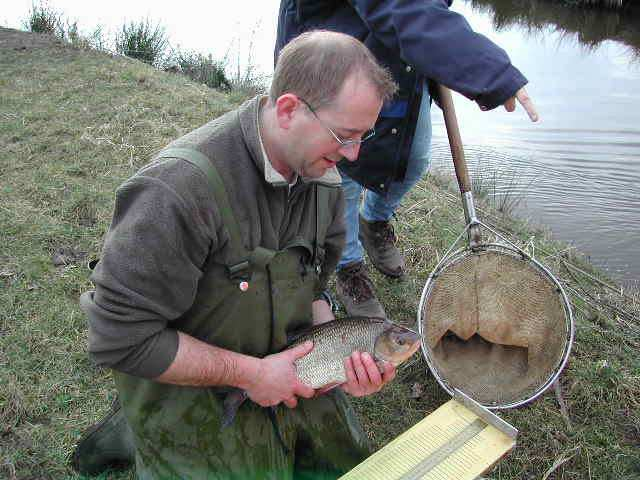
(459, 255)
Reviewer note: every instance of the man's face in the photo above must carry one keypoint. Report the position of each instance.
(312, 148)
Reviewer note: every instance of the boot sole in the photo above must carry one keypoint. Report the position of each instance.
(388, 273)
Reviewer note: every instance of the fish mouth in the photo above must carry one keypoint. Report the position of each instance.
(399, 357)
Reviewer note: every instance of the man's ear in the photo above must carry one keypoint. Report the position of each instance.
(287, 106)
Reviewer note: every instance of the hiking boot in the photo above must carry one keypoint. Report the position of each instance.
(107, 445)
(354, 289)
(379, 240)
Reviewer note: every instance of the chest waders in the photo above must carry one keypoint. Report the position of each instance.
(247, 303)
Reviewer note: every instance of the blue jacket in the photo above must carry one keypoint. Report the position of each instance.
(415, 40)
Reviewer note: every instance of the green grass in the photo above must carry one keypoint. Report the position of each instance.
(202, 69)
(68, 136)
(43, 18)
(600, 385)
(142, 40)
(72, 133)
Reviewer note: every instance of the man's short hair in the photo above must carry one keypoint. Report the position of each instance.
(315, 65)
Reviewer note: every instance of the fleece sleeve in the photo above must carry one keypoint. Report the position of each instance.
(147, 276)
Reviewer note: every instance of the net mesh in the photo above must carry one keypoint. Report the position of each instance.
(495, 326)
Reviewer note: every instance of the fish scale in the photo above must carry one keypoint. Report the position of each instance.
(333, 342)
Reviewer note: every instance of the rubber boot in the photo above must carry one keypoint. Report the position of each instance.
(107, 445)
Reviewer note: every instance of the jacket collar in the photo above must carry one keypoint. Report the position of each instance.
(249, 114)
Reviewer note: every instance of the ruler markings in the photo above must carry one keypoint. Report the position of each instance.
(446, 450)
(449, 444)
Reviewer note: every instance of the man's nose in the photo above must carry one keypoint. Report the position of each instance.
(351, 151)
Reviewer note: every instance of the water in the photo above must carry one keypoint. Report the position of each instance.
(579, 167)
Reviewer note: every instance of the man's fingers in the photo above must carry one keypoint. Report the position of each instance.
(373, 373)
(359, 368)
(304, 391)
(350, 371)
(389, 372)
(510, 104)
(523, 98)
(291, 402)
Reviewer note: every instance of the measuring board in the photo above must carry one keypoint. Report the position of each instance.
(459, 441)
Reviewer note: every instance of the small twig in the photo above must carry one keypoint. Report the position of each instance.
(589, 298)
(561, 460)
(418, 204)
(562, 404)
(561, 252)
(591, 277)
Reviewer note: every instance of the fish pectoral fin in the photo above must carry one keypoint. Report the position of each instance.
(231, 404)
(326, 388)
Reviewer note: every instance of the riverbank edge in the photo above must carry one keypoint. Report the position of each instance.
(85, 122)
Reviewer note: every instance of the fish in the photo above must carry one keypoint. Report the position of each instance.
(323, 367)
(336, 340)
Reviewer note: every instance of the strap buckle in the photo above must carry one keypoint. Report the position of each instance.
(239, 271)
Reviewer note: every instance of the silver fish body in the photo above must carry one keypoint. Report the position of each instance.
(334, 341)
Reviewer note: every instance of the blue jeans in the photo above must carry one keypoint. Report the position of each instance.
(377, 207)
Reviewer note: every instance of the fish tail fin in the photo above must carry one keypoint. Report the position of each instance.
(231, 404)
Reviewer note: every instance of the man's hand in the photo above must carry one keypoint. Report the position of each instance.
(364, 376)
(321, 312)
(277, 380)
(523, 98)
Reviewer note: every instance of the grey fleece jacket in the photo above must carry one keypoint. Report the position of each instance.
(166, 225)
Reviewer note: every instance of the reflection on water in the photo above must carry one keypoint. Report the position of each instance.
(579, 166)
(592, 25)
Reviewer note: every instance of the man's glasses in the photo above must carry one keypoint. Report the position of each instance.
(344, 142)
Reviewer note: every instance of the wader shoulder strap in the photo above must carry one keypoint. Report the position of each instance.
(238, 266)
(322, 222)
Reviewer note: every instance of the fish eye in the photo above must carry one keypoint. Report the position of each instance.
(400, 341)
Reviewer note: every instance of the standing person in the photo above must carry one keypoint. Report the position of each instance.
(217, 250)
(417, 41)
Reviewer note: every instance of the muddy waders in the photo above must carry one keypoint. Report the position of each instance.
(246, 303)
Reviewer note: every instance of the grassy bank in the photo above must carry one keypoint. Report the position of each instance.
(74, 124)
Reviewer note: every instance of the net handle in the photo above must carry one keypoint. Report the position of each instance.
(455, 141)
(462, 173)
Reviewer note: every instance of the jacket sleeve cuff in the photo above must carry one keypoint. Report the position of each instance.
(499, 95)
(159, 353)
(148, 360)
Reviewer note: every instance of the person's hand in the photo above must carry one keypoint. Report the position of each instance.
(277, 380)
(523, 98)
(321, 311)
(364, 376)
